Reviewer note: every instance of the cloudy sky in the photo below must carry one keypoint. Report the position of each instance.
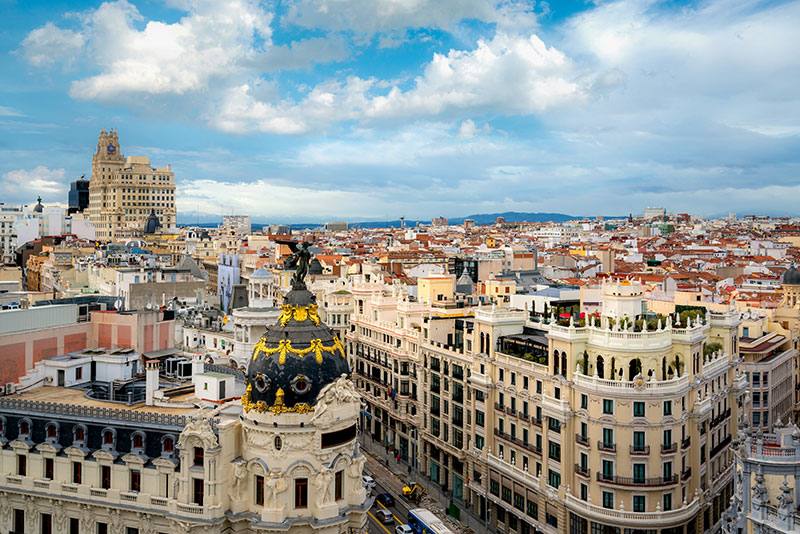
(307, 110)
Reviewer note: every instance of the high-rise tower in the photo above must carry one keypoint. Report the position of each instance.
(123, 192)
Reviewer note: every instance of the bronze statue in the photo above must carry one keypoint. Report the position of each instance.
(299, 261)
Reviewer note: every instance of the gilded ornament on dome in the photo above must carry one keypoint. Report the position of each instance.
(299, 313)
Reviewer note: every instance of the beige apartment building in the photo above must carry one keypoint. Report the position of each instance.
(610, 424)
(123, 192)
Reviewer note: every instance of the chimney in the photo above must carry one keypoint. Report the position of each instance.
(197, 365)
(152, 381)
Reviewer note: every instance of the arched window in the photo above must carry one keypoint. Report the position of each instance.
(564, 364)
(52, 431)
(79, 433)
(556, 361)
(600, 367)
(138, 440)
(167, 445)
(24, 427)
(109, 438)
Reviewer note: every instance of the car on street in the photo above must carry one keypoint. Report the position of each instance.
(384, 516)
(403, 529)
(385, 499)
(368, 482)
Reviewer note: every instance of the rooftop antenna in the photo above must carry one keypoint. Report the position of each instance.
(402, 221)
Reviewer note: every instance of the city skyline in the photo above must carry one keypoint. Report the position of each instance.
(307, 111)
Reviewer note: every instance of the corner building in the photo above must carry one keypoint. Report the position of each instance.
(612, 424)
(283, 460)
(123, 192)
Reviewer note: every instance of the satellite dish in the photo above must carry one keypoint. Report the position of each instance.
(149, 306)
(118, 304)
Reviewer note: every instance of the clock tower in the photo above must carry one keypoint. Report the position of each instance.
(123, 192)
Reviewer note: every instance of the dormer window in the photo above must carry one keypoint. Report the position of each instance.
(80, 434)
(52, 431)
(109, 438)
(198, 456)
(24, 428)
(138, 441)
(168, 445)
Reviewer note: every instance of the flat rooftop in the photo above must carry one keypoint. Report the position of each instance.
(77, 397)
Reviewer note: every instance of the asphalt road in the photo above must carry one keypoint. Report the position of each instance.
(386, 482)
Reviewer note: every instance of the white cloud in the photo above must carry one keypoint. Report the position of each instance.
(39, 180)
(10, 112)
(372, 16)
(50, 45)
(211, 41)
(506, 75)
(303, 53)
(268, 199)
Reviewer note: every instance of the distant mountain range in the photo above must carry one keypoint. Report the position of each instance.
(479, 218)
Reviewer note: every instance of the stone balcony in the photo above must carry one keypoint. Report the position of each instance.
(655, 388)
(639, 520)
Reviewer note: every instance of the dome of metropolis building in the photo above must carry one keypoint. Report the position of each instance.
(294, 359)
(791, 276)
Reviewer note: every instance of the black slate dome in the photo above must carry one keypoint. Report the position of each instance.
(151, 224)
(294, 359)
(791, 276)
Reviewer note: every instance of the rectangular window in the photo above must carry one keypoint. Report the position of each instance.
(102, 528)
(105, 477)
(19, 521)
(553, 478)
(608, 468)
(198, 485)
(46, 524)
(638, 473)
(301, 493)
(538, 386)
(584, 492)
(479, 418)
(198, 456)
(533, 510)
(608, 436)
(638, 441)
(638, 503)
(608, 500)
(667, 407)
(77, 471)
(136, 481)
(22, 466)
(259, 490)
(339, 485)
(584, 401)
(638, 409)
(74, 525)
(554, 450)
(608, 406)
(519, 501)
(667, 502)
(667, 469)
(48, 468)
(131, 530)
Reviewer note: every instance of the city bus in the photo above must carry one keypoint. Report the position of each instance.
(423, 521)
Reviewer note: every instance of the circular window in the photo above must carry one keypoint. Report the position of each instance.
(262, 383)
(301, 384)
(278, 443)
